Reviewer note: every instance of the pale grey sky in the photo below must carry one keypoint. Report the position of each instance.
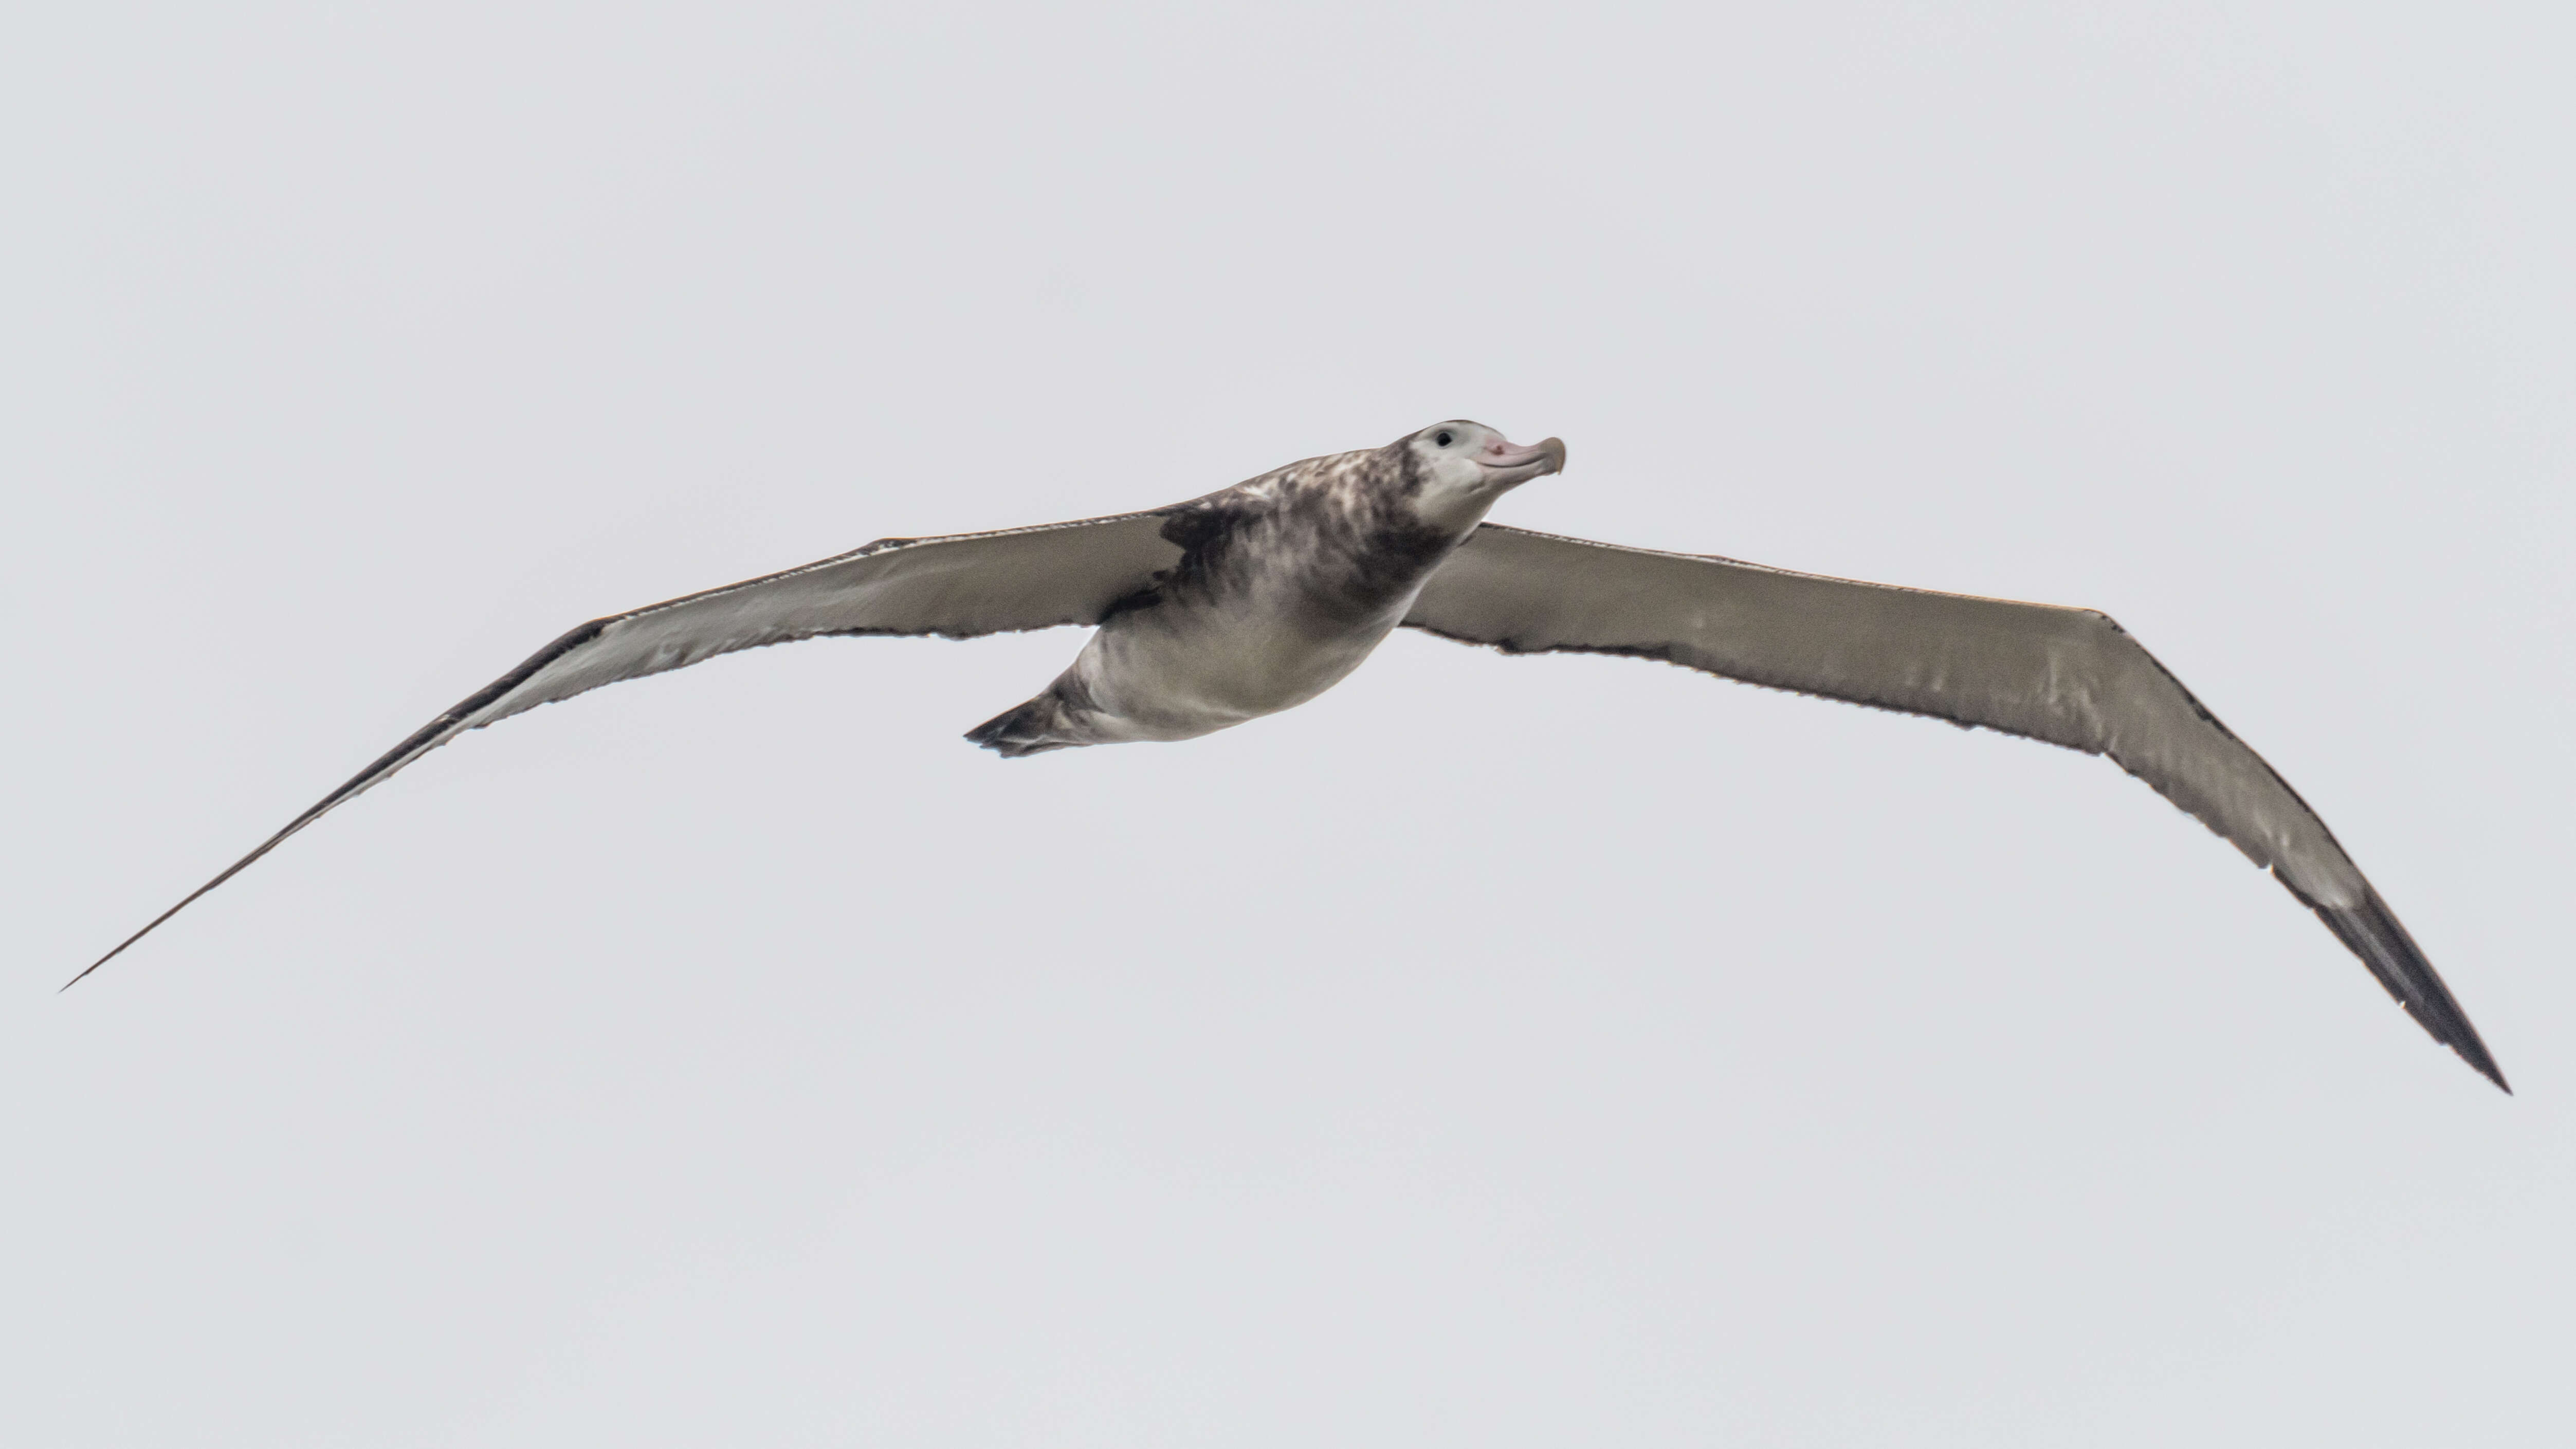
(1528, 1052)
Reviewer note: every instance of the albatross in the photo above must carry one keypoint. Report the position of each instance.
(1259, 597)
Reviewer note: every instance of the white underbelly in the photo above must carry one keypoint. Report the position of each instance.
(1158, 678)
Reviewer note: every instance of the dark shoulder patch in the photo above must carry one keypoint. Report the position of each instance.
(1194, 526)
(1144, 598)
(1208, 532)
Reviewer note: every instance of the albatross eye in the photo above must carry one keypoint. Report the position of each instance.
(1444, 437)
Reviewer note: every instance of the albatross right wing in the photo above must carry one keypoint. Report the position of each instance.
(2067, 676)
(956, 587)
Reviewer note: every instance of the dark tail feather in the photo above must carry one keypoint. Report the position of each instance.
(1032, 728)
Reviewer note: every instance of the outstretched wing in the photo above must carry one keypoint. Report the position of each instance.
(956, 587)
(2068, 676)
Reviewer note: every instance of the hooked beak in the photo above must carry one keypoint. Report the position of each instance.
(1509, 467)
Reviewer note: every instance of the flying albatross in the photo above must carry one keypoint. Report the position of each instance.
(1259, 597)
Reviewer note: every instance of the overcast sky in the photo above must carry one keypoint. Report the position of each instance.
(1496, 1052)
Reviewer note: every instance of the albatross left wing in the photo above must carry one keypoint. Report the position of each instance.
(2068, 676)
(956, 587)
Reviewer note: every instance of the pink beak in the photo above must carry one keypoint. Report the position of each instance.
(1519, 465)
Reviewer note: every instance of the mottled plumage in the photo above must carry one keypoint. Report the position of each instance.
(1259, 597)
(1284, 585)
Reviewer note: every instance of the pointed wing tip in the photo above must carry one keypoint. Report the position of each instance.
(2371, 931)
(120, 947)
(2462, 1038)
(2474, 1052)
(85, 970)
(156, 921)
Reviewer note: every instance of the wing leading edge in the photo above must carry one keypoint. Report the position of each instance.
(2070, 677)
(956, 587)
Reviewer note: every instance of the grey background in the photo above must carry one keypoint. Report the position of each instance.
(1494, 1052)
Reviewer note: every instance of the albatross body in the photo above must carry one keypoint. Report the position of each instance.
(1285, 584)
(1259, 597)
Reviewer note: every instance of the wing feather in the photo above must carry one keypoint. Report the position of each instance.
(2070, 677)
(955, 587)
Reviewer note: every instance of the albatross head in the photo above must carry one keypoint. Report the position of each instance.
(1459, 468)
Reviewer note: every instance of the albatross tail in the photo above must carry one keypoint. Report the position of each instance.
(1042, 724)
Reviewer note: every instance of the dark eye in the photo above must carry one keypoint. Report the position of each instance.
(1444, 437)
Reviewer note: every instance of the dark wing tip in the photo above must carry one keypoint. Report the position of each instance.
(236, 868)
(165, 915)
(2373, 933)
(94, 965)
